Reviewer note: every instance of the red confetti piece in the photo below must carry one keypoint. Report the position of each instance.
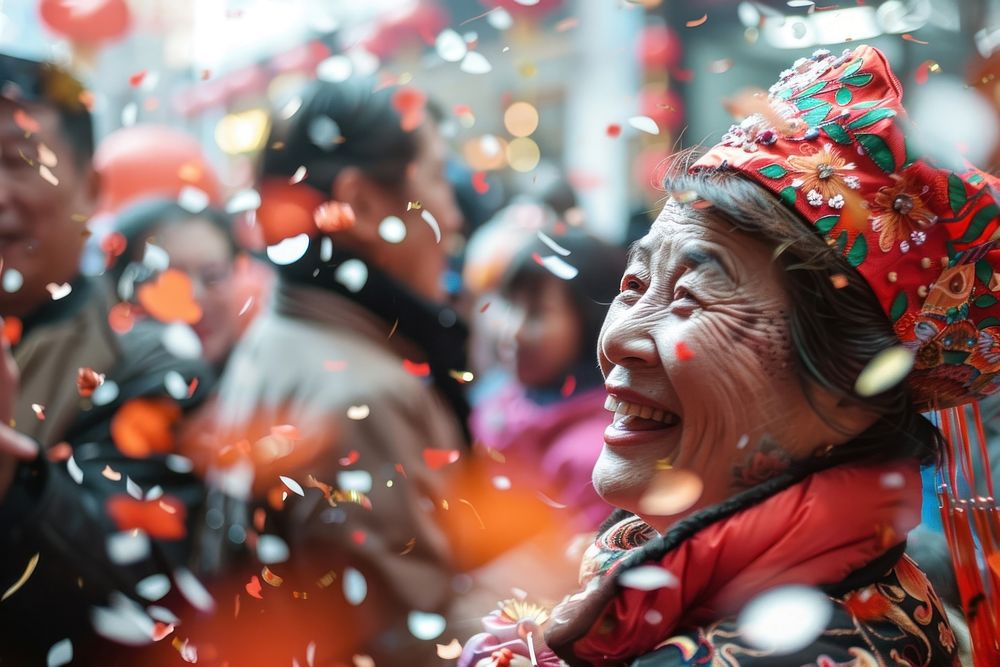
(694, 23)
(681, 74)
(334, 216)
(569, 386)
(439, 458)
(144, 426)
(479, 183)
(334, 366)
(910, 38)
(485, 306)
(410, 103)
(162, 518)
(87, 380)
(39, 411)
(359, 536)
(684, 353)
(416, 369)
(24, 121)
(400, 470)
(113, 245)
(170, 298)
(351, 458)
(253, 587)
(839, 280)
(192, 387)
(259, 517)
(121, 318)
(12, 329)
(614, 130)
(923, 72)
(136, 79)
(161, 630)
(59, 452)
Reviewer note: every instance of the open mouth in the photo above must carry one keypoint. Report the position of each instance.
(635, 417)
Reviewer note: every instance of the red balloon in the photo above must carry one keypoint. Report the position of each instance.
(151, 160)
(658, 48)
(663, 106)
(90, 22)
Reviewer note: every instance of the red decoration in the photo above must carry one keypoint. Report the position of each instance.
(419, 25)
(91, 22)
(128, 173)
(287, 210)
(536, 11)
(658, 48)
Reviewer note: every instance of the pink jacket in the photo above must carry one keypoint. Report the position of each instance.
(551, 447)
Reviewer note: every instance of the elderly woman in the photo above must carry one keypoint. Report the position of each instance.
(763, 451)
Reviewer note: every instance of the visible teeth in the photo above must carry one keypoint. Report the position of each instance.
(625, 409)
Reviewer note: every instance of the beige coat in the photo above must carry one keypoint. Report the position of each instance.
(331, 376)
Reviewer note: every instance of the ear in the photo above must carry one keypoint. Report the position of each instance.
(354, 188)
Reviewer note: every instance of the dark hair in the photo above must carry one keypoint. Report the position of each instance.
(600, 265)
(142, 218)
(836, 329)
(371, 136)
(51, 86)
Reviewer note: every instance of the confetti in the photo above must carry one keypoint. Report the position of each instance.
(60, 653)
(27, 124)
(47, 174)
(87, 380)
(410, 544)
(550, 502)
(462, 377)
(568, 386)
(351, 458)
(130, 114)
(785, 619)
(75, 473)
(352, 274)
(924, 69)
(243, 201)
(358, 412)
(270, 578)
(558, 267)
(170, 298)
(292, 485)
(113, 475)
(670, 492)
(644, 124)
(59, 291)
(436, 459)
(12, 280)
(353, 497)
(424, 625)
(334, 216)
(479, 183)
(683, 352)
(720, 66)
(288, 251)
(613, 130)
(39, 411)
(411, 105)
(885, 370)
(910, 38)
(416, 369)
(648, 578)
(253, 587)
(475, 63)
(12, 329)
(555, 247)
(23, 579)
(450, 46)
(298, 176)
(272, 549)
(162, 518)
(144, 426)
(324, 133)
(694, 23)
(193, 590)
(153, 587)
(47, 157)
(128, 547)
(392, 230)
(59, 452)
(355, 586)
(334, 69)
(523, 154)
(162, 630)
(355, 480)
(432, 222)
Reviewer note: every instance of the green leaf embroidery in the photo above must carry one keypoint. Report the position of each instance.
(817, 115)
(983, 217)
(984, 271)
(865, 105)
(826, 223)
(985, 301)
(908, 157)
(837, 133)
(852, 68)
(788, 195)
(784, 93)
(898, 306)
(988, 322)
(976, 179)
(806, 103)
(870, 118)
(841, 242)
(878, 151)
(956, 193)
(844, 96)
(811, 90)
(773, 170)
(859, 251)
(857, 80)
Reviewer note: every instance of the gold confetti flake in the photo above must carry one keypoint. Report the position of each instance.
(28, 571)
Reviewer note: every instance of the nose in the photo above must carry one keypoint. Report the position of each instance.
(625, 342)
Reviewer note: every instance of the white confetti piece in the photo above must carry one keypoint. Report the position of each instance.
(176, 385)
(335, 69)
(392, 230)
(648, 578)
(433, 223)
(60, 653)
(59, 291)
(299, 174)
(500, 19)
(644, 124)
(155, 257)
(133, 489)
(352, 274)
(559, 268)
(358, 412)
(153, 587)
(181, 341)
(450, 651)
(47, 174)
(243, 201)
(272, 549)
(292, 485)
(12, 280)
(886, 369)
(130, 114)
(355, 586)
(501, 482)
(289, 250)
(324, 132)
(193, 590)
(425, 625)
(105, 394)
(128, 547)
(75, 473)
(475, 63)
(123, 621)
(556, 248)
(450, 46)
(355, 480)
(192, 199)
(785, 619)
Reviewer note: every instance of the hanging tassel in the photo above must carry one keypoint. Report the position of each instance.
(972, 528)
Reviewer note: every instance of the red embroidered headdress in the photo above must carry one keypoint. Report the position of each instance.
(833, 145)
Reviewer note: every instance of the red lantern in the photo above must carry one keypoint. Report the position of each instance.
(663, 106)
(658, 48)
(151, 160)
(86, 21)
(420, 25)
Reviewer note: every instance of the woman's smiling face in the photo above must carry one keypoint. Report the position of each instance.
(699, 367)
